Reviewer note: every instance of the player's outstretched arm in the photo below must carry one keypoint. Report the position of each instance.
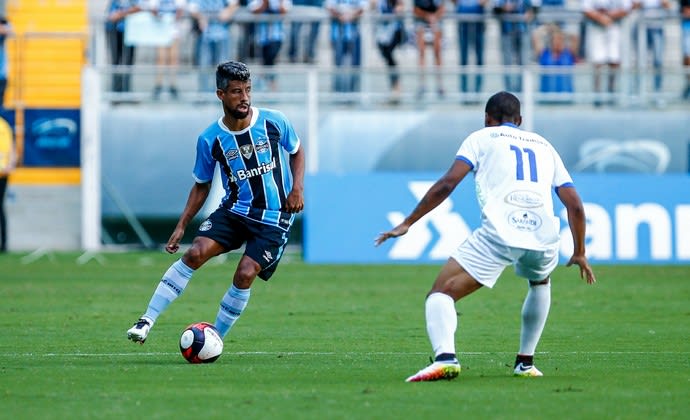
(435, 196)
(577, 222)
(196, 199)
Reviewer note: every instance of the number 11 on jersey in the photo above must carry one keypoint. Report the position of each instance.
(520, 167)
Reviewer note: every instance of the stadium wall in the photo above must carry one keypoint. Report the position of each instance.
(147, 156)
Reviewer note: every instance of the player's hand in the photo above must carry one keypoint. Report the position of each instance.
(394, 233)
(173, 244)
(585, 269)
(295, 202)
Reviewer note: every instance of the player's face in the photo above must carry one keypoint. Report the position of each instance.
(236, 98)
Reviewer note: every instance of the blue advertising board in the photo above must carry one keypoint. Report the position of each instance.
(631, 219)
(52, 138)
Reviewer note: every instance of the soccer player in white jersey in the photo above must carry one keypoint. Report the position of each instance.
(514, 172)
(262, 170)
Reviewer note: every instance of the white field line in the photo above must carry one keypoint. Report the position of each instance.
(317, 353)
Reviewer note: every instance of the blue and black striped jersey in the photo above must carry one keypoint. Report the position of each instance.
(254, 165)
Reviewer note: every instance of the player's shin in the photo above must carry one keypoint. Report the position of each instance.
(171, 286)
(441, 323)
(231, 307)
(535, 310)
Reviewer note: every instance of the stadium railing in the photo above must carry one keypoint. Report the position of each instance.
(634, 87)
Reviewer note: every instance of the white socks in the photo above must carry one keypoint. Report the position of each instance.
(441, 322)
(535, 309)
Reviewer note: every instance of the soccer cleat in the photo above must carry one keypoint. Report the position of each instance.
(139, 331)
(526, 371)
(436, 371)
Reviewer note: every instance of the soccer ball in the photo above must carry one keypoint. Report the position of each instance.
(201, 343)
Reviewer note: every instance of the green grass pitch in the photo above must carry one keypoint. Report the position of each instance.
(335, 342)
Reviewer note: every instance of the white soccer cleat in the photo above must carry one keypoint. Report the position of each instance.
(526, 371)
(139, 331)
(436, 371)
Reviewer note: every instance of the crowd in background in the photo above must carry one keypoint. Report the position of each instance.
(530, 31)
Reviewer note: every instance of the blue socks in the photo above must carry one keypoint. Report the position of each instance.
(174, 282)
(231, 307)
(170, 288)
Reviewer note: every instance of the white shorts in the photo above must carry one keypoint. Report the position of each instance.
(485, 259)
(604, 44)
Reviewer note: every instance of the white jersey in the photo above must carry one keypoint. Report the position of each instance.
(514, 173)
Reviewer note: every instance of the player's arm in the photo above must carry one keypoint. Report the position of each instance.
(577, 222)
(435, 196)
(196, 199)
(295, 199)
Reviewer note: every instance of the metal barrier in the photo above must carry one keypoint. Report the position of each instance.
(634, 87)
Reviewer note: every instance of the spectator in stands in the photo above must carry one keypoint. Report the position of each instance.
(213, 19)
(269, 33)
(555, 12)
(428, 16)
(306, 44)
(5, 30)
(653, 14)
(7, 162)
(604, 39)
(120, 54)
(167, 57)
(390, 33)
(346, 40)
(471, 28)
(555, 53)
(246, 40)
(515, 15)
(685, 30)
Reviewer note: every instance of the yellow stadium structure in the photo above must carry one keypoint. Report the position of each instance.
(46, 55)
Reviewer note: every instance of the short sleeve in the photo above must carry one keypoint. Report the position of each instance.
(561, 176)
(469, 151)
(290, 141)
(205, 165)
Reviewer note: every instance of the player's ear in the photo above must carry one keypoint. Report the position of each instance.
(487, 120)
(519, 121)
(219, 94)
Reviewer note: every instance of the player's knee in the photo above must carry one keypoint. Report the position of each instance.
(194, 257)
(246, 272)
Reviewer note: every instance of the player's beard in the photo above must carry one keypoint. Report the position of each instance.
(240, 115)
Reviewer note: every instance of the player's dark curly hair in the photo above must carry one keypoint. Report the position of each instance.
(231, 70)
(503, 107)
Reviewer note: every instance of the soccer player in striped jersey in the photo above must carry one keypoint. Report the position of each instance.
(514, 173)
(262, 169)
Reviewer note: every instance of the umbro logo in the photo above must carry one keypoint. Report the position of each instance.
(267, 256)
